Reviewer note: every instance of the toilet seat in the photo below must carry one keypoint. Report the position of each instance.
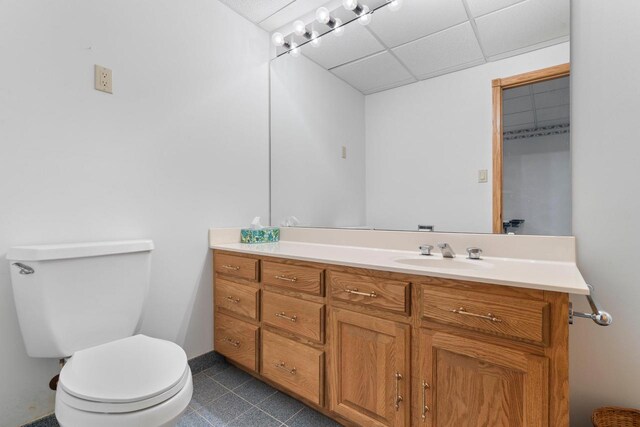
(126, 375)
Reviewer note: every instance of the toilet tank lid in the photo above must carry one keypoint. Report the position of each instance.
(77, 250)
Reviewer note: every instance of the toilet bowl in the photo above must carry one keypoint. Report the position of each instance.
(136, 381)
(83, 302)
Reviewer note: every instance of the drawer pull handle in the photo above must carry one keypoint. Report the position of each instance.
(283, 315)
(233, 300)
(287, 279)
(234, 343)
(425, 408)
(355, 291)
(399, 398)
(231, 267)
(487, 316)
(283, 366)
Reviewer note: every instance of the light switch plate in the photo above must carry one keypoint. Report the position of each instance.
(483, 176)
(103, 79)
(344, 151)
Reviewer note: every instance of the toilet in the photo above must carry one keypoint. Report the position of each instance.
(83, 303)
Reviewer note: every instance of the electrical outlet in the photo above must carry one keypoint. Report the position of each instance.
(483, 176)
(344, 151)
(103, 79)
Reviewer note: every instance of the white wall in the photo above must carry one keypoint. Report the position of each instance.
(180, 146)
(605, 362)
(314, 114)
(537, 184)
(427, 141)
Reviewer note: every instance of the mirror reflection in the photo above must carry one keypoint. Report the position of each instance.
(442, 115)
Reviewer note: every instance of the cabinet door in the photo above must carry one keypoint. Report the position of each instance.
(467, 383)
(369, 372)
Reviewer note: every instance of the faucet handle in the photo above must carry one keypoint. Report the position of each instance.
(425, 249)
(474, 253)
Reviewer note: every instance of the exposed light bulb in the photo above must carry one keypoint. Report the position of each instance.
(277, 39)
(295, 50)
(323, 15)
(365, 16)
(315, 39)
(394, 4)
(350, 4)
(338, 30)
(299, 28)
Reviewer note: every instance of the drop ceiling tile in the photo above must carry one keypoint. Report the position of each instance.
(355, 43)
(377, 72)
(453, 48)
(553, 113)
(515, 92)
(549, 85)
(298, 9)
(482, 7)
(416, 19)
(517, 105)
(518, 119)
(553, 98)
(257, 10)
(528, 24)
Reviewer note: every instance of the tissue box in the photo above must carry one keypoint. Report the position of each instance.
(263, 235)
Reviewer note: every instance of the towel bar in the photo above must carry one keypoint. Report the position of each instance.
(601, 317)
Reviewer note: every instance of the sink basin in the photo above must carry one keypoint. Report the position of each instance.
(445, 263)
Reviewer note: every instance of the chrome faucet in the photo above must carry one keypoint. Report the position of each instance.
(447, 251)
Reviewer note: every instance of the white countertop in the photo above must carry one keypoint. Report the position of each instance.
(556, 276)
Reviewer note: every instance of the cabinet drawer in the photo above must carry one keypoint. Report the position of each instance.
(385, 294)
(230, 265)
(239, 299)
(294, 366)
(300, 279)
(304, 318)
(236, 340)
(495, 314)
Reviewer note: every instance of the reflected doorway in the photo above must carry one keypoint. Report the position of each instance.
(531, 153)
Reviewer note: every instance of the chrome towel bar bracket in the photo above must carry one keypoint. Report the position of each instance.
(599, 316)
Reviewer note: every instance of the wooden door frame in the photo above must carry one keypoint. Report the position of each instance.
(498, 86)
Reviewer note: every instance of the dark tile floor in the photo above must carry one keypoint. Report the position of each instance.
(223, 395)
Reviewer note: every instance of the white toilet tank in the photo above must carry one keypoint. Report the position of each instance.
(73, 296)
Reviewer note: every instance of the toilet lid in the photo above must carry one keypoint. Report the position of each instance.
(128, 370)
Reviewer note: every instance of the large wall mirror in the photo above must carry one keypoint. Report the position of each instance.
(442, 115)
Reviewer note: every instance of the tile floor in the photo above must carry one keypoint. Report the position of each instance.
(223, 395)
(226, 396)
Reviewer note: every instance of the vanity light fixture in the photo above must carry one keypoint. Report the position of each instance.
(363, 11)
(394, 4)
(300, 29)
(294, 49)
(278, 40)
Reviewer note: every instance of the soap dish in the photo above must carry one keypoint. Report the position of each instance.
(263, 235)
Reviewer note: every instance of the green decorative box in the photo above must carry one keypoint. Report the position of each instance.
(264, 235)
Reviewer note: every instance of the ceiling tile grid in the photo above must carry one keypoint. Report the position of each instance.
(416, 19)
(355, 43)
(528, 24)
(423, 39)
(374, 73)
(450, 49)
(257, 10)
(536, 105)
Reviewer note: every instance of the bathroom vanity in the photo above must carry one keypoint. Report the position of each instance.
(395, 343)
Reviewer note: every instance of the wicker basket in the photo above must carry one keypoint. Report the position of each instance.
(612, 416)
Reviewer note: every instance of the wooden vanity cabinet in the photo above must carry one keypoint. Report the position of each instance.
(369, 369)
(372, 348)
(467, 382)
